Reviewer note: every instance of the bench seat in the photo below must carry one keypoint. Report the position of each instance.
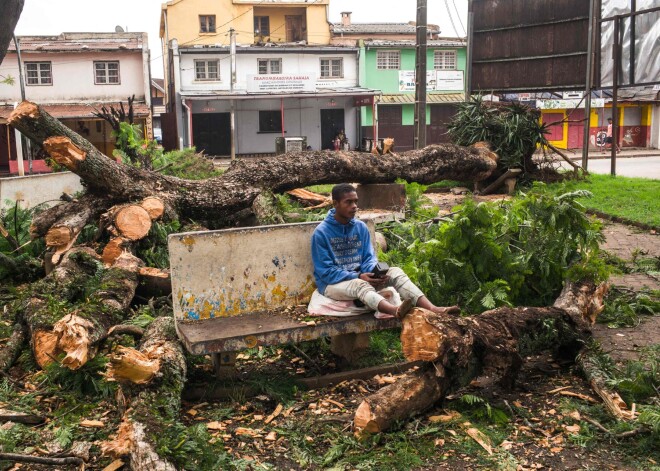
(231, 334)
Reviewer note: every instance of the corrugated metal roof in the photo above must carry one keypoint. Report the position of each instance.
(65, 111)
(408, 98)
(80, 42)
(376, 28)
(442, 42)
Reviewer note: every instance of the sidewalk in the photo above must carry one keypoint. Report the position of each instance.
(576, 154)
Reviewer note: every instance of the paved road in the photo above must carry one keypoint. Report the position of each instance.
(645, 167)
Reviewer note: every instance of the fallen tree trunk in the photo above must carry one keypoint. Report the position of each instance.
(461, 349)
(153, 376)
(53, 328)
(218, 199)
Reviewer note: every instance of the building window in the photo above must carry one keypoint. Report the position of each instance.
(444, 60)
(207, 70)
(270, 66)
(270, 121)
(261, 26)
(106, 73)
(388, 60)
(390, 115)
(38, 73)
(332, 68)
(207, 23)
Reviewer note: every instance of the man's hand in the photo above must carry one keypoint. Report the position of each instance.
(375, 282)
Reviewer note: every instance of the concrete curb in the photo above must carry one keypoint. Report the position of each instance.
(622, 220)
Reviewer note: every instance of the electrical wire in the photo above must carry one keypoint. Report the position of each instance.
(451, 19)
(458, 15)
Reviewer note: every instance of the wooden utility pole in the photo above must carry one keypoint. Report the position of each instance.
(420, 77)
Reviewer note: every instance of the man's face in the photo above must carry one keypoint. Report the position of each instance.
(346, 207)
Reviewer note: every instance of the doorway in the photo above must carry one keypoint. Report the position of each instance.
(332, 121)
(294, 29)
(212, 133)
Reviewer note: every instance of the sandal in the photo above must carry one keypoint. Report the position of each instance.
(404, 308)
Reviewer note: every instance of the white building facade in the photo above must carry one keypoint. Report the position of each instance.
(283, 91)
(72, 76)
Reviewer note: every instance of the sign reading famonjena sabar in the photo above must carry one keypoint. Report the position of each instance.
(281, 83)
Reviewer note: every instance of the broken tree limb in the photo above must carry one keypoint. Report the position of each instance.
(12, 349)
(461, 349)
(41, 459)
(20, 417)
(218, 199)
(613, 402)
(145, 419)
(575, 166)
(79, 332)
(113, 249)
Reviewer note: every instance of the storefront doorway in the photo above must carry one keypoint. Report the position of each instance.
(212, 133)
(332, 122)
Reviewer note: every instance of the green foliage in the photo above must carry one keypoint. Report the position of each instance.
(186, 163)
(512, 129)
(17, 221)
(64, 436)
(495, 254)
(153, 248)
(480, 409)
(638, 380)
(189, 448)
(624, 308)
(85, 381)
(417, 205)
(133, 148)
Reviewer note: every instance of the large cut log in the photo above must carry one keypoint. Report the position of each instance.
(81, 330)
(151, 376)
(218, 199)
(461, 349)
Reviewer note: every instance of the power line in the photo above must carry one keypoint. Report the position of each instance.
(451, 19)
(458, 15)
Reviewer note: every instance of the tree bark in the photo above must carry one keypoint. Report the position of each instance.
(461, 349)
(151, 376)
(79, 332)
(218, 199)
(11, 12)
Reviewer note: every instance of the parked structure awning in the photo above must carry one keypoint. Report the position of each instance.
(431, 98)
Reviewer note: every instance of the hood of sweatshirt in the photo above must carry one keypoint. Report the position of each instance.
(330, 219)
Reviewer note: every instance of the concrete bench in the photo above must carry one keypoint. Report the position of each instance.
(230, 286)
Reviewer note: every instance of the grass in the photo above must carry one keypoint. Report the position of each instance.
(636, 199)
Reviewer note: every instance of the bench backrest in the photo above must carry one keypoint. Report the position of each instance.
(231, 272)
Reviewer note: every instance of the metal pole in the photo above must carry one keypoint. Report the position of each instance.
(468, 66)
(633, 32)
(587, 90)
(420, 77)
(615, 91)
(232, 81)
(20, 149)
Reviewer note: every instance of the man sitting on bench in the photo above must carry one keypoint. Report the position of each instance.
(344, 262)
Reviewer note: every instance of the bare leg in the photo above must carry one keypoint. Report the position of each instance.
(424, 302)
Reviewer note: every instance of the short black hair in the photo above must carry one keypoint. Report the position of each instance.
(340, 190)
(609, 119)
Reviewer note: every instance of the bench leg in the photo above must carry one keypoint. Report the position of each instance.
(349, 346)
(224, 364)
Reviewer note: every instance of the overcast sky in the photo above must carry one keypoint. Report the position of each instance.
(54, 17)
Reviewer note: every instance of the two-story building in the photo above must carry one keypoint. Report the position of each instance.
(72, 76)
(282, 79)
(389, 66)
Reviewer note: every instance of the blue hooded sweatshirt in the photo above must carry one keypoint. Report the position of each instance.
(341, 252)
